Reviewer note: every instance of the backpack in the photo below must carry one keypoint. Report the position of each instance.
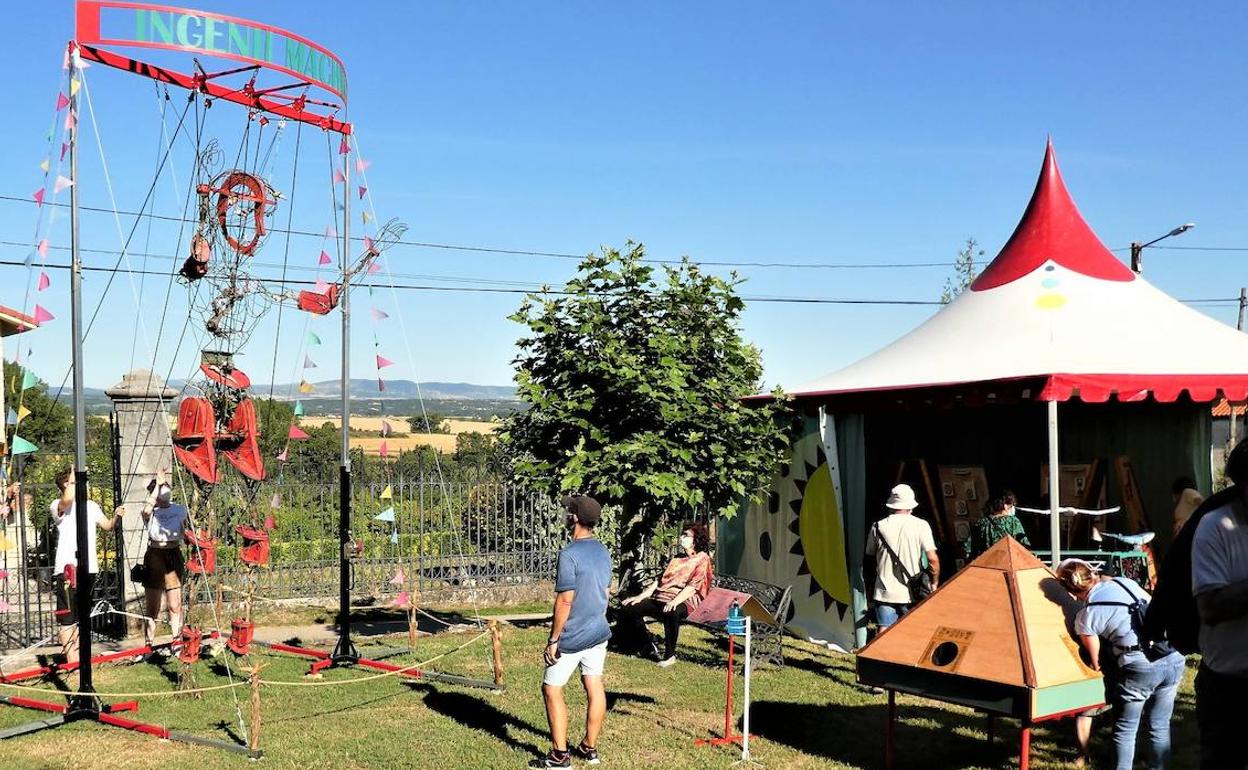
(1137, 608)
(1172, 614)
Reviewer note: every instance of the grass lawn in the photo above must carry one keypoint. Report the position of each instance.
(808, 715)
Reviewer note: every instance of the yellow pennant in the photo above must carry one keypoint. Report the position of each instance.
(367, 217)
(305, 386)
(387, 493)
(22, 411)
(43, 166)
(73, 86)
(5, 544)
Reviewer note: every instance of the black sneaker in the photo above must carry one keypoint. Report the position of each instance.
(587, 753)
(553, 759)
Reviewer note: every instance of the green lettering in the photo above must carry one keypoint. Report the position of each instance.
(159, 28)
(185, 38)
(238, 39)
(296, 55)
(140, 29)
(211, 33)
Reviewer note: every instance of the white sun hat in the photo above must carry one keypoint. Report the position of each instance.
(902, 498)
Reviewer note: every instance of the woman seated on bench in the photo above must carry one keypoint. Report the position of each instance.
(685, 583)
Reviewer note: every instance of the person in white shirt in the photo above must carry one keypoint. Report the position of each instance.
(899, 542)
(163, 565)
(65, 567)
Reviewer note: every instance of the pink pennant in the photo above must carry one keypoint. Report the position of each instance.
(38, 196)
(324, 260)
(296, 433)
(276, 502)
(386, 430)
(383, 450)
(339, 177)
(71, 120)
(379, 314)
(44, 281)
(4, 573)
(361, 164)
(322, 286)
(369, 246)
(62, 184)
(383, 362)
(374, 267)
(399, 578)
(64, 149)
(363, 190)
(402, 599)
(381, 385)
(270, 523)
(42, 247)
(5, 606)
(62, 101)
(42, 316)
(343, 147)
(330, 232)
(282, 455)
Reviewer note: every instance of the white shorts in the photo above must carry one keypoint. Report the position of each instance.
(592, 661)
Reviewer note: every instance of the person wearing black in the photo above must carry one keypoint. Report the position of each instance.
(684, 584)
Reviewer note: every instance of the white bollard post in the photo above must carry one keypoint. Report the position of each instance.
(745, 714)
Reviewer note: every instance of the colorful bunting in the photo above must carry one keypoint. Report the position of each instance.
(296, 434)
(283, 455)
(44, 280)
(29, 261)
(22, 413)
(44, 165)
(330, 232)
(366, 217)
(5, 606)
(71, 121)
(22, 447)
(386, 515)
(385, 431)
(339, 177)
(383, 450)
(387, 493)
(381, 385)
(38, 196)
(74, 85)
(4, 573)
(62, 101)
(64, 149)
(370, 247)
(62, 183)
(29, 380)
(343, 147)
(11, 419)
(42, 247)
(374, 267)
(383, 362)
(379, 314)
(298, 408)
(363, 190)
(308, 363)
(324, 260)
(42, 316)
(270, 523)
(403, 598)
(322, 286)
(399, 578)
(276, 502)
(313, 339)
(394, 540)
(305, 386)
(361, 164)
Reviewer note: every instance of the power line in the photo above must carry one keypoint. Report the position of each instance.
(531, 253)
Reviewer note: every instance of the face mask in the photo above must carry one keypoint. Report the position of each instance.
(164, 495)
(686, 543)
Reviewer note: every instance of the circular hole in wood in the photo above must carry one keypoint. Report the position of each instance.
(945, 653)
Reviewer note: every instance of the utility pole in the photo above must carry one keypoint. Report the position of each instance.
(1243, 306)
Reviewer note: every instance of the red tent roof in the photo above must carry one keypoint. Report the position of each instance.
(13, 322)
(1051, 229)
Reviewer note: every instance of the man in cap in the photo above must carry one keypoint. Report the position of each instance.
(578, 634)
(899, 542)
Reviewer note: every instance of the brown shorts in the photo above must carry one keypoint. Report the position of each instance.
(165, 567)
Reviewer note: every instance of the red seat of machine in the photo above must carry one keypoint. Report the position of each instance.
(241, 446)
(193, 442)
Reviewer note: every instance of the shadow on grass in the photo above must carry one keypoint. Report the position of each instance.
(927, 736)
(614, 698)
(479, 714)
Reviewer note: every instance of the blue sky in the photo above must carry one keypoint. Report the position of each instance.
(825, 133)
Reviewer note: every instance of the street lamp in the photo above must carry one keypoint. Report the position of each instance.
(1137, 261)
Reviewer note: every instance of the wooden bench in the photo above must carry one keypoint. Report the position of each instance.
(768, 638)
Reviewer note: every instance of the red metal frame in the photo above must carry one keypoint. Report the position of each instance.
(728, 736)
(65, 668)
(246, 96)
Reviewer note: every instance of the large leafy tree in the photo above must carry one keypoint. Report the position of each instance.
(633, 383)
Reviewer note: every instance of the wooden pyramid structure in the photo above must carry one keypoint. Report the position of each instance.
(993, 638)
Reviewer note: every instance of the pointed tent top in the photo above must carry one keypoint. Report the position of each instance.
(1008, 555)
(1051, 229)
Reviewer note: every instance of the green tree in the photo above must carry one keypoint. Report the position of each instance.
(429, 422)
(476, 450)
(633, 384)
(963, 271)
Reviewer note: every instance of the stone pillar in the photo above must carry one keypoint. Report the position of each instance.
(141, 404)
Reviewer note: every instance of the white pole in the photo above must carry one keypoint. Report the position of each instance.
(1055, 524)
(745, 714)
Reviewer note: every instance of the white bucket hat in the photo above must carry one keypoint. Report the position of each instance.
(902, 498)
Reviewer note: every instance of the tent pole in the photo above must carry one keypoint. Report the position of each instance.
(1055, 524)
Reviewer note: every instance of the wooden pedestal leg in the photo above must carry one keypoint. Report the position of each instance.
(888, 730)
(1024, 748)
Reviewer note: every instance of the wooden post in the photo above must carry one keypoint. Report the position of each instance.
(496, 640)
(411, 622)
(253, 738)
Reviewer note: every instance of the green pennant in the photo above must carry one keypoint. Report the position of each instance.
(29, 380)
(23, 447)
(298, 408)
(313, 339)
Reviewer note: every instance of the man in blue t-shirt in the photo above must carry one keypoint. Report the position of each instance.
(578, 633)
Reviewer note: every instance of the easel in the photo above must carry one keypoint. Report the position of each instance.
(736, 627)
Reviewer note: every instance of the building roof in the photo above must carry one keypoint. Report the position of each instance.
(12, 322)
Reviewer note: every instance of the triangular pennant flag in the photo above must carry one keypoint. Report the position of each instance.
(42, 247)
(366, 217)
(369, 246)
(381, 385)
(283, 455)
(22, 413)
(339, 178)
(308, 363)
(363, 190)
(51, 130)
(386, 515)
(387, 493)
(22, 447)
(42, 316)
(270, 523)
(296, 433)
(340, 207)
(44, 165)
(322, 286)
(276, 502)
(399, 578)
(44, 280)
(305, 386)
(370, 291)
(71, 120)
(394, 540)
(5, 606)
(29, 261)
(62, 183)
(74, 85)
(38, 196)
(330, 232)
(379, 314)
(383, 450)
(383, 362)
(386, 430)
(11, 419)
(343, 147)
(62, 101)
(361, 164)
(298, 408)
(4, 574)
(324, 260)
(403, 598)
(29, 380)
(313, 339)
(375, 267)
(64, 149)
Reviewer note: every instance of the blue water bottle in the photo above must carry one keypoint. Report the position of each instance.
(736, 620)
